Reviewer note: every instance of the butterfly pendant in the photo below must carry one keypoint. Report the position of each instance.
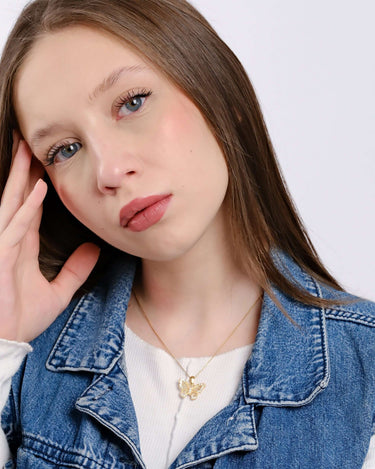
(189, 388)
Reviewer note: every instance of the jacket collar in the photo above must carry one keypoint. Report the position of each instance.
(289, 364)
(93, 338)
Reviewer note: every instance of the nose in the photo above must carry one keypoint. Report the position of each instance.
(114, 165)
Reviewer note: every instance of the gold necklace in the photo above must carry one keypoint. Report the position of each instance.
(188, 387)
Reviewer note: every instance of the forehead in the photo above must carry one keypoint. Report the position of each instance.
(73, 52)
(71, 62)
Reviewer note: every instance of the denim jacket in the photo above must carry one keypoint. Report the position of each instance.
(306, 400)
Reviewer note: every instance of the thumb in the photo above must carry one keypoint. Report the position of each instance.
(75, 271)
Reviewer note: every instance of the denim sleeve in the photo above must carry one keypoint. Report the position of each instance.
(11, 356)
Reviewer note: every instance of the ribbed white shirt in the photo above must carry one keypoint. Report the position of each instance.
(167, 422)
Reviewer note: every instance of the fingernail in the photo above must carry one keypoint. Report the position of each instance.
(38, 182)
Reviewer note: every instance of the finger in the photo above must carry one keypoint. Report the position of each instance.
(75, 271)
(36, 172)
(31, 241)
(20, 223)
(16, 142)
(19, 146)
(13, 195)
(35, 224)
(31, 246)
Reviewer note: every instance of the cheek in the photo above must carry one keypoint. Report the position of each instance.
(66, 197)
(177, 121)
(184, 139)
(73, 201)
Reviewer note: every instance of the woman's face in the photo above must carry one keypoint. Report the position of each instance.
(128, 153)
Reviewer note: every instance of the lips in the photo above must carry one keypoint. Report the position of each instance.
(141, 213)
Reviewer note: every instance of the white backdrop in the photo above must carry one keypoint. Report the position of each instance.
(313, 67)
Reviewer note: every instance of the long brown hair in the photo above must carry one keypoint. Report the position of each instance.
(181, 43)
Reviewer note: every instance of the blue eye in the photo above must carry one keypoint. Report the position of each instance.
(69, 150)
(134, 104)
(131, 103)
(62, 152)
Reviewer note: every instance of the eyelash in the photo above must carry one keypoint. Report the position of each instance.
(53, 151)
(143, 93)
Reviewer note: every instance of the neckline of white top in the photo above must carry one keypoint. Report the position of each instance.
(156, 349)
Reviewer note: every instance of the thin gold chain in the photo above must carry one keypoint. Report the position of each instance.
(217, 350)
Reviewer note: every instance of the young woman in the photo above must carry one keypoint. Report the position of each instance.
(208, 334)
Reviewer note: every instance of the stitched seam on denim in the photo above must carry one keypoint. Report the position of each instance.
(342, 315)
(55, 446)
(115, 430)
(319, 384)
(51, 459)
(251, 425)
(327, 369)
(93, 384)
(217, 455)
(252, 413)
(51, 358)
(52, 363)
(296, 403)
(121, 364)
(325, 353)
(308, 284)
(311, 285)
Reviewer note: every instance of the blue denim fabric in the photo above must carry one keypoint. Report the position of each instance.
(307, 397)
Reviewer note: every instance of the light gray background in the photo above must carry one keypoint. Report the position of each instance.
(313, 67)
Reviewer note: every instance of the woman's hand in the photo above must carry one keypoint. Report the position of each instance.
(28, 302)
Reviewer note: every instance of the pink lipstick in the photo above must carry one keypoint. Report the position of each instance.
(141, 213)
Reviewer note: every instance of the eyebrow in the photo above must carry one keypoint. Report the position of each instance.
(104, 86)
(113, 78)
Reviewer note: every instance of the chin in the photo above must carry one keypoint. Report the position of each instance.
(165, 250)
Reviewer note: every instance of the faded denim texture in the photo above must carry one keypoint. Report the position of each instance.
(306, 401)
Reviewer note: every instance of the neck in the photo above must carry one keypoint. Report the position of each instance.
(195, 301)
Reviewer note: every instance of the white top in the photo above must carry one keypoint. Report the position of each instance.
(153, 376)
(167, 423)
